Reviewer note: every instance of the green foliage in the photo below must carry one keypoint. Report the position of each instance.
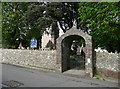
(0, 25)
(24, 20)
(80, 42)
(12, 23)
(97, 78)
(103, 21)
(40, 16)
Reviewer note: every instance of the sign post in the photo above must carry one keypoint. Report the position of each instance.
(33, 43)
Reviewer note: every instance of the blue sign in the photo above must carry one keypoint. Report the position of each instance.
(33, 43)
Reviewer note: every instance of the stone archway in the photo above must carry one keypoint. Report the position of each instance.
(63, 44)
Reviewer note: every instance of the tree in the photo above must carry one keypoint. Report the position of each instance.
(23, 20)
(35, 22)
(12, 23)
(102, 21)
(40, 16)
(0, 25)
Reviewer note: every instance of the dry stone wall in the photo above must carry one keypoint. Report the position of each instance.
(107, 60)
(107, 64)
(32, 58)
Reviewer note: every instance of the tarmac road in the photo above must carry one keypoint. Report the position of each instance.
(41, 78)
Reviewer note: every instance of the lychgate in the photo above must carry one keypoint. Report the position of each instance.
(63, 50)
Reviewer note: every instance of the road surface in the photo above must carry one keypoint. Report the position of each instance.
(41, 78)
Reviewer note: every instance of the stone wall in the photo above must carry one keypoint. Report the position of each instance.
(31, 58)
(108, 64)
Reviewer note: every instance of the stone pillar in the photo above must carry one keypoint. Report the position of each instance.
(89, 61)
(59, 55)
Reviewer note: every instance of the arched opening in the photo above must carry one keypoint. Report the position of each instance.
(73, 55)
(64, 54)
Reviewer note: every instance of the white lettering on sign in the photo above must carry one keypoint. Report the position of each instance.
(88, 60)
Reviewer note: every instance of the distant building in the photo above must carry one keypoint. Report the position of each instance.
(49, 37)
